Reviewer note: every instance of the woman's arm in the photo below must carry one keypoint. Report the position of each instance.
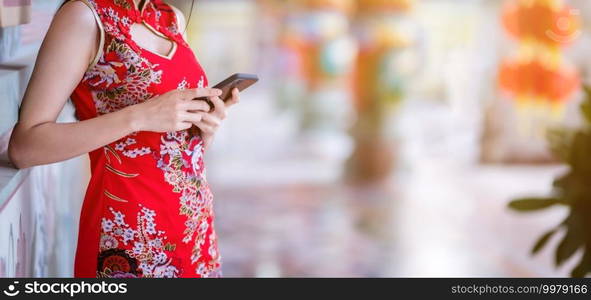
(67, 49)
(71, 43)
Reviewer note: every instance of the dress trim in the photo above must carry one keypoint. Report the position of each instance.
(122, 174)
(171, 52)
(109, 149)
(113, 197)
(99, 51)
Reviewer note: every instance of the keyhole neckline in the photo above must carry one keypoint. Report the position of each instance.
(137, 17)
(174, 45)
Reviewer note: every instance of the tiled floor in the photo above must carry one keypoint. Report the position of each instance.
(420, 225)
(282, 212)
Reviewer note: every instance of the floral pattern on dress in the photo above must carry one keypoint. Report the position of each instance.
(115, 90)
(125, 147)
(180, 165)
(128, 252)
(116, 26)
(181, 159)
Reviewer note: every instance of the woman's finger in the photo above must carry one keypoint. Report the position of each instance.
(192, 117)
(219, 107)
(217, 102)
(234, 99)
(196, 105)
(206, 128)
(211, 120)
(190, 94)
(184, 126)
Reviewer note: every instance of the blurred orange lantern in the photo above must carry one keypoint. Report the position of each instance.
(384, 6)
(534, 80)
(538, 73)
(550, 22)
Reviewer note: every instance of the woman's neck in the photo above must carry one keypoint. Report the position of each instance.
(138, 3)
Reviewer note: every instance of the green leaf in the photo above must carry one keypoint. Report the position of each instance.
(583, 268)
(560, 140)
(531, 204)
(571, 242)
(579, 158)
(586, 110)
(543, 241)
(563, 182)
(586, 105)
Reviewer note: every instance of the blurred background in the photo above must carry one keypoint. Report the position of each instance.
(386, 138)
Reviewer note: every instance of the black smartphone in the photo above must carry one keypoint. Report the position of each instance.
(241, 81)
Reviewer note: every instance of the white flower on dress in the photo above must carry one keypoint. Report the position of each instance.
(112, 14)
(126, 21)
(201, 83)
(202, 270)
(119, 218)
(138, 248)
(160, 258)
(128, 235)
(183, 85)
(107, 225)
(151, 229)
(157, 242)
(134, 152)
(165, 272)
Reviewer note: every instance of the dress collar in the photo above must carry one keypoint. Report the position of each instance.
(140, 5)
(138, 9)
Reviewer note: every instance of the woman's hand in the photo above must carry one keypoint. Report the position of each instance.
(174, 111)
(211, 121)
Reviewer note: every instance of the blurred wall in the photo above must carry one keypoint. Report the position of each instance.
(39, 207)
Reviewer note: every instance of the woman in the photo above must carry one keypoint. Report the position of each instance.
(135, 83)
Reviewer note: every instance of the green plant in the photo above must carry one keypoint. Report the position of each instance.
(572, 190)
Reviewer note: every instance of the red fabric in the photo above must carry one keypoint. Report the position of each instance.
(148, 207)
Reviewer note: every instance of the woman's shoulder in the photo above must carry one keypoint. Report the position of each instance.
(74, 26)
(77, 12)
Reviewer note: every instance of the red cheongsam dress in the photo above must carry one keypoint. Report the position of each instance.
(148, 208)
